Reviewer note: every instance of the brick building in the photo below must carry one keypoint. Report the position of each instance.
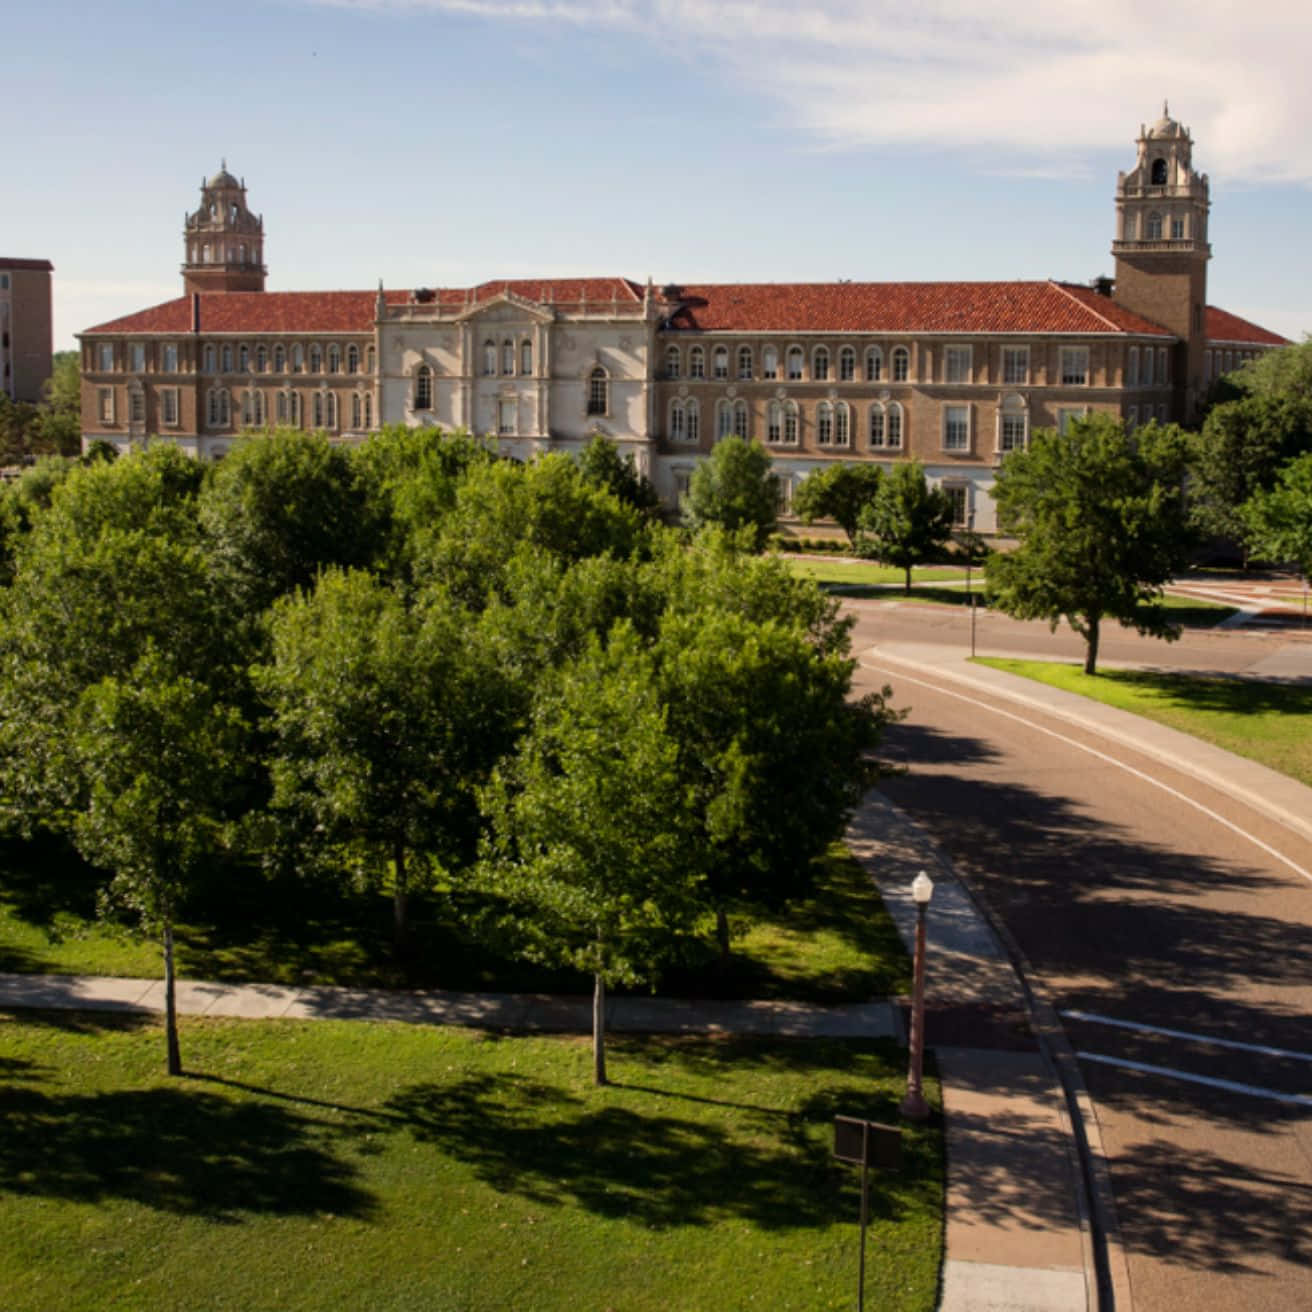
(25, 334)
(951, 374)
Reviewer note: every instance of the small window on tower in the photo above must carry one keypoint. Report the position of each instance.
(1159, 173)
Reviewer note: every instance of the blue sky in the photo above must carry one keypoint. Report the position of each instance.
(441, 142)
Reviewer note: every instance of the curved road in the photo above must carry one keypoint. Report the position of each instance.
(1176, 946)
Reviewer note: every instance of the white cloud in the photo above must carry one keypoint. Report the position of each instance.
(1013, 77)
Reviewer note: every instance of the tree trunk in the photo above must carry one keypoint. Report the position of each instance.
(1091, 647)
(400, 897)
(598, 1029)
(907, 588)
(722, 933)
(170, 1004)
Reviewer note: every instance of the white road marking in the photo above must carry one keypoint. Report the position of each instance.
(1230, 1086)
(1094, 1018)
(1102, 756)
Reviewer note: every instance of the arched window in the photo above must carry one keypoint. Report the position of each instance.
(227, 359)
(846, 364)
(770, 362)
(744, 362)
(794, 362)
(820, 364)
(334, 359)
(423, 388)
(317, 408)
(352, 359)
(598, 392)
(740, 427)
(824, 424)
(295, 410)
(842, 425)
(281, 407)
(369, 358)
(696, 363)
(876, 426)
(1132, 368)
(1129, 227)
(723, 419)
(1153, 228)
(1159, 173)
(526, 357)
(243, 358)
(901, 364)
(489, 358)
(252, 409)
(507, 356)
(368, 410)
(355, 410)
(874, 364)
(678, 430)
(261, 359)
(692, 420)
(209, 358)
(671, 362)
(279, 359)
(225, 412)
(298, 359)
(316, 360)
(330, 411)
(720, 362)
(894, 425)
(774, 422)
(791, 423)
(1013, 425)
(205, 253)
(1147, 375)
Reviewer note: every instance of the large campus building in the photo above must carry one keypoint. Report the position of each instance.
(952, 374)
(25, 336)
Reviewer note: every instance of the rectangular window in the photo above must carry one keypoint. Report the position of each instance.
(1074, 366)
(956, 364)
(170, 358)
(168, 406)
(105, 404)
(956, 428)
(105, 360)
(1016, 364)
(138, 357)
(1177, 229)
(1066, 417)
(136, 407)
(506, 415)
(957, 496)
(1012, 434)
(1132, 419)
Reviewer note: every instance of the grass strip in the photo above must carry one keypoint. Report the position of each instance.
(1267, 722)
(306, 1165)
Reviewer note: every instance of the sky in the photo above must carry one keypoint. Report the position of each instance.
(445, 142)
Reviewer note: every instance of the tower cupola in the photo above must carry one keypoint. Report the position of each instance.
(223, 242)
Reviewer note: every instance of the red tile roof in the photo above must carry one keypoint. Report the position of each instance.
(346, 312)
(897, 307)
(1222, 326)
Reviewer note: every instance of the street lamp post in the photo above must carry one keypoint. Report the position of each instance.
(914, 1106)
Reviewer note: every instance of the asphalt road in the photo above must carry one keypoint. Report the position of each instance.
(1134, 905)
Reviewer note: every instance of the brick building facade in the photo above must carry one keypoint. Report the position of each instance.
(25, 328)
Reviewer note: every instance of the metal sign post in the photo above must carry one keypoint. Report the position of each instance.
(866, 1143)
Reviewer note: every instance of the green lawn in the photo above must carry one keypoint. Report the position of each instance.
(862, 573)
(1266, 722)
(839, 945)
(311, 1165)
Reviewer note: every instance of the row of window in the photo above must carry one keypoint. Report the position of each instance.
(238, 253)
(278, 359)
(958, 364)
(598, 391)
(319, 409)
(506, 356)
(1144, 374)
(1218, 362)
(1155, 226)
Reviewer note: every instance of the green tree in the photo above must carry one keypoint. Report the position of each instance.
(281, 507)
(908, 521)
(589, 847)
(839, 492)
(58, 428)
(602, 465)
(1279, 521)
(159, 761)
(385, 722)
(1101, 526)
(734, 489)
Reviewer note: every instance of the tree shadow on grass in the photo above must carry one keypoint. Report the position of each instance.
(1230, 695)
(624, 1160)
(174, 1150)
(55, 1017)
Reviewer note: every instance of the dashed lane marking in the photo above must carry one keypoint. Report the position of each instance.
(1102, 756)
(1092, 1017)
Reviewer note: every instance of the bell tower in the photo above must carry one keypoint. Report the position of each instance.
(223, 242)
(1161, 249)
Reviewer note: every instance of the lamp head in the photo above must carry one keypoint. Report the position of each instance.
(922, 889)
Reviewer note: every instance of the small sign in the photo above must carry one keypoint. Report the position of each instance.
(867, 1143)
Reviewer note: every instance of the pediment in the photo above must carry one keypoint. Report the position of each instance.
(507, 308)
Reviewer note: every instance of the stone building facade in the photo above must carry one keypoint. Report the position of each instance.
(954, 375)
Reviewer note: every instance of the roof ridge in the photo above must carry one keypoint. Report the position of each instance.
(1066, 291)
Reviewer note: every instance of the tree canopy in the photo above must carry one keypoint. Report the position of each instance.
(907, 521)
(1101, 526)
(734, 489)
(1279, 521)
(840, 492)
